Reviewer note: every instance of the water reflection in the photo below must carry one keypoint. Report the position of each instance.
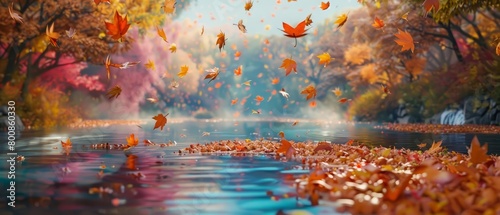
(154, 180)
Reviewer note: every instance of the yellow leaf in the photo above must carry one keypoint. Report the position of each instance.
(324, 58)
(341, 20)
(161, 33)
(183, 72)
(173, 48)
(150, 65)
(132, 141)
(169, 6)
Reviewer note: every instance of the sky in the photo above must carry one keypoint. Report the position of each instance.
(214, 13)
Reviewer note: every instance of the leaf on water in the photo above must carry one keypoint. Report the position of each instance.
(322, 146)
(66, 144)
(132, 141)
(477, 153)
(161, 121)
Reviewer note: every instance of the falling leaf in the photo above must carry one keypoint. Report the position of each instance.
(173, 48)
(275, 81)
(132, 141)
(221, 40)
(237, 54)
(405, 16)
(421, 145)
(312, 104)
(238, 70)
(337, 92)
(15, 15)
(404, 40)
(71, 32)
(202, 30)
(127, 64)
(183, 72)
(169, 6)
(241, 26)
(248, 5)
(324, 5)
(174, 84)
(344, 100)
(212, 74)
(152, 100)
(53, 36)
(429, 4)
(247, 83)
(295, 123)
(378, 23)
(161, 33)
(477, 153)
(309, 91)
(114, 92)
(284, 93)
(255, 112)
(234, 101)
(288, 65)
(308, 21)
(66, 144)
(324, 58)
(161, 120)
(97, 2)
(118, 28)
(150, 65)
(298, 31)
(259, 99)
(341, 20)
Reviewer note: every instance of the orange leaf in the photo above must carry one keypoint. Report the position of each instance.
(343, 100)
(118, 28)
(53, 36)
(183, 72)
(221, 40)
(405, 40)
(161, 33)
(298, 31)
(161, 120)
(322, 146)
(169, 6)
(393, 193)
(259, 99)
(308, 20)
(309, 91)
(234, 101)
(429, 4)
(436, 147)
(498, 49)
(378, 23)
(212, 74)
(66, 144)
(325, 5)
(289, 65)
(478, 154)
(132, 141)
(248, 5)
(97, 2)
(341, 20)
(238, 71)
(312, 104)
(275, 81)
(286, 148)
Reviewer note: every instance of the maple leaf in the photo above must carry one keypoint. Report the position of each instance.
(435, 147)
(66, 144)
(238, 71)
(429, 4)
(150, 65)
(344, 100)
(404, 40)
(275, 81)
(248, 5)
(132, 141)
(221, 40)
(161, 120)
(169, 6)
(378, 23)
(289, 65)
(173, 48)
(71, 32)
(337, 92)
(234, 101)
(324, 5)
(51, 35)
(298, 31)
(15, 15)
(183, 72)
(259, 99)
(286, 148)
(161, 33)
(309, 91)
(477, 153)
(341, 20)
(118, 28)
(241, 26)
(247, 83)
(97, 2)
(324, 58)
(212, 74)
(308, 21)
(114, 92)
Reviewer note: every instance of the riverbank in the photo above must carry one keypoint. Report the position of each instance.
(440, 129)
(363, 180)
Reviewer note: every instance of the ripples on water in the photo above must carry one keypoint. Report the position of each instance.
(190, 184)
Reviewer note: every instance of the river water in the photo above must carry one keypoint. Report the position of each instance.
(155, 180)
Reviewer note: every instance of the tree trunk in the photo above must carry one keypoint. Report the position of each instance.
(453, 41)
(11, 66)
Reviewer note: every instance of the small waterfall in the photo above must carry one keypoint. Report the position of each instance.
(453, 117)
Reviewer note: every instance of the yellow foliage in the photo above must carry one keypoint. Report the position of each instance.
(142, 14)
(368, 105)
(357, 54)
(368, 73)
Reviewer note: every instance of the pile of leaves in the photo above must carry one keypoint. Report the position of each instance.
(439, 129)
(104, 123)
(379, 180)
